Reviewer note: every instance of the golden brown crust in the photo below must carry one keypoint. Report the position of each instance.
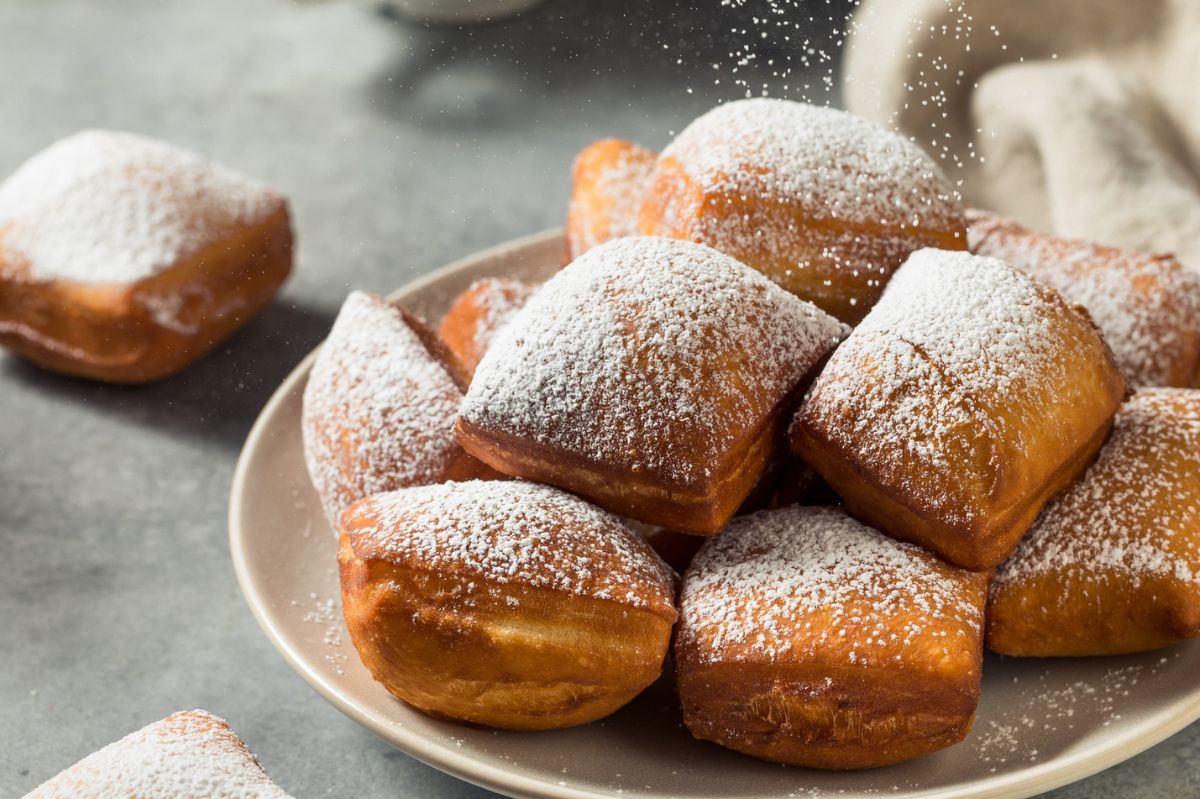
(117, 332)
(967, 399)
(608, 181)
(505, 604)
(753, 179)
(1113, 565)
(808, 638)
(478, 314)
(650, 376)
(124, 259)
(1147, 306)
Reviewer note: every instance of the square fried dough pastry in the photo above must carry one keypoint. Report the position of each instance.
(503, 603)
(188, 755)
(479, 313)
(968, 397)
(608, 181)
(1147, 306)
(124, 259)
(808, 638)
(1113, 565)
(824, 203)
(379, 407)
(650, 376)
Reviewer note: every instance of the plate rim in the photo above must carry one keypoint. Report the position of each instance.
(1061, 770)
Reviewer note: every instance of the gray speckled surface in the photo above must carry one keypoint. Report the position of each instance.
(401, 149)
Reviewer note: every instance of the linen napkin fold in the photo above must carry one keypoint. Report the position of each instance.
(1076, 117)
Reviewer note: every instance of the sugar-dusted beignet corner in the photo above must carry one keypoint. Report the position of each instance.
(503, 603)
(808, 638)
(823, 202)
(188, 755)
(479, 313)
(379, 407)
(608, 181)
(1147, 306)
(125, 259)
(651, 376)
(967, 398)
(1113, 565)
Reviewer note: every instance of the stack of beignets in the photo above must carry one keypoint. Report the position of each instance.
(503, 603)
(655, 377)
(1113, 565)
(125, 259)
(1147, 306)
(651, 376)
(967, 398)
(379, 407)
(808, 638)
(824, 203)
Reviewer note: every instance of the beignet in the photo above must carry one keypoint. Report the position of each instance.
(379, 407)
(968, 397)
(188, 755)
(125, 259)
(503, 603)
(607, 183)
(1113, 565)
(479, 313)
(809, 638)
(650, 376)
(1147, 306)
(824, 203)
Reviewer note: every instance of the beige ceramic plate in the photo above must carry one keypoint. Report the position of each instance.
(1041, 723)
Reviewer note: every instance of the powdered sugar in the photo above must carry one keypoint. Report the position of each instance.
(1147, 306)
(836, 165)
(496, 301)
(623, 355)
(187, 755)
(1135, 513)
(908, 389)
(513, 532)
(617, 186)
(748, 592)
(379, 410)
(108, 207)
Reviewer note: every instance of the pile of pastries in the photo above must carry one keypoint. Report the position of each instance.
(789, 413)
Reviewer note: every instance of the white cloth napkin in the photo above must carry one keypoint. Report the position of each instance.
(1077, 117)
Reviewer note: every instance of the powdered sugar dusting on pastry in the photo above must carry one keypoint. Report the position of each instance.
(628, 351)
(379, 410)
(748, 592)
(836, 165)
(951, 331)
(1147, 306)
(619, 186)
(108, 207)
(1136, 511)
(512, 532)
(188, 755)
(499, 298)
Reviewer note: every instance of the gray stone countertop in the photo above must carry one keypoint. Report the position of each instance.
(401, 148)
